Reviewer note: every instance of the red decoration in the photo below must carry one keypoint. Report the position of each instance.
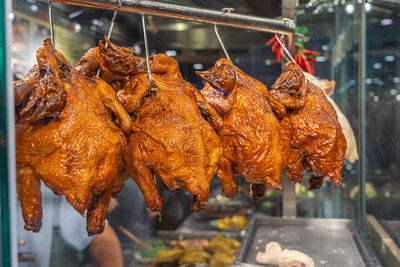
(303, 57)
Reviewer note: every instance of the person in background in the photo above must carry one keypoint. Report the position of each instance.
(35, 248)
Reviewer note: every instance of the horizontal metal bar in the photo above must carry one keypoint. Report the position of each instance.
(284, 26)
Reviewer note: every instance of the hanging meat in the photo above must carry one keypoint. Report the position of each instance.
(317, 143)
(170, 138)
(65, 137)
(254, 144)
(328, 87)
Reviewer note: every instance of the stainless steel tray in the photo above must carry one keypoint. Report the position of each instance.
(183, 235)
(330, 242)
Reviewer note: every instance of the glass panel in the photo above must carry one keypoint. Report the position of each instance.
(333, 30)
(383, 117)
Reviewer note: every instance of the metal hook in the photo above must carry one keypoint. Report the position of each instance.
(221, 43)
(114, 18)
(146, 47)
(51, 24)
(284, 54)
(224, 10)
(288, 54)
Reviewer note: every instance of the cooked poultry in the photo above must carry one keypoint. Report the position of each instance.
(274, 255)
(317, 143)
(254, 143)
(66, 138)
(328, 87)
(170, 138)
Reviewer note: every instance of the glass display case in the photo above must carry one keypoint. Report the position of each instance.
(357, 49)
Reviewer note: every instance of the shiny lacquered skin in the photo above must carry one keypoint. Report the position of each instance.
(317, 143)
(254, 144)
(66, 138)
(169, 138)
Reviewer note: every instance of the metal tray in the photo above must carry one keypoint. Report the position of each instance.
(330, 242)
(176, 235)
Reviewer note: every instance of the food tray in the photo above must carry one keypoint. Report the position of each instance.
(330, 242)
(174, 235)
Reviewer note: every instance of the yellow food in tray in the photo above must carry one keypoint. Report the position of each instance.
(235, 222)
(218, 252)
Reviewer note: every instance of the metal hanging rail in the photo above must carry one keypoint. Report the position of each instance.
(281, 26)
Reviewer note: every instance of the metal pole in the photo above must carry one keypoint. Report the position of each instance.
(192, 14)
(289, 207)
(9, 177)
(362, 116)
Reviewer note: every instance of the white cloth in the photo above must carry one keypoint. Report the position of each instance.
(59, 214)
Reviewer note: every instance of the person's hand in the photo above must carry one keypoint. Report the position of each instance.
(113, 204)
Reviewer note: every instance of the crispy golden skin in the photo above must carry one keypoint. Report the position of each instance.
(66, 138)
(317, 143)
(251, 136)
(170, 138)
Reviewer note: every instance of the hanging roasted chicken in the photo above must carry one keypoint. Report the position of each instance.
(170, 138)
(328, 87)
(317, 143)
(65, 137)
(254, 144)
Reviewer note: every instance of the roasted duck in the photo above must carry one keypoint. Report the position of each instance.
(317, 143)
(65, 137)
(328, 87)
(170, 138)
(254, 144)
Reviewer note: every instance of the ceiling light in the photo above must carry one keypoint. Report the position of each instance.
(367, 7)
(171, 53)
(368, 81)
(267, 62)
(389, 58)
(386, 22)
(137, 48)
(376, 98)
(181, 26)
(393, 91)
(349, 9)
(377, 66)
(77, 27)
(34, 8)
(97, 22)
(324, 47)
(398, 97)
(198, 66)
(396, 79)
